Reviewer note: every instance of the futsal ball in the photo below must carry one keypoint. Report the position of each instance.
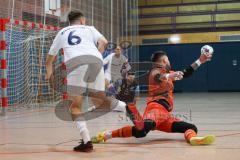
(207, 49)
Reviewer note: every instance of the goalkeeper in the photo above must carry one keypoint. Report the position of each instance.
(157, 115)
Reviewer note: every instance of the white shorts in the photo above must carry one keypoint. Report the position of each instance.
(76, 78)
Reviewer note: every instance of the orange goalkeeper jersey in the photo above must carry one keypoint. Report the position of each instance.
(160, 89)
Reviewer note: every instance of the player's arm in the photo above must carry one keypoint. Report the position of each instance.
(102, 44)
(99, 40)
(54, 49)
(125, 68)
(173, 75)
(195, 65)
(126, 65)
(49, 64)
(137, 94)
(106, 60)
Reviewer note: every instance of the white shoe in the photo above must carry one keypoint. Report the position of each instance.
(121, 107)
(91, 109)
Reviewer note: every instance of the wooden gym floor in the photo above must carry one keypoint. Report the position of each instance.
(37, 134)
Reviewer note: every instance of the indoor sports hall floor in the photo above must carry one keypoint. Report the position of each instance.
(38, 134)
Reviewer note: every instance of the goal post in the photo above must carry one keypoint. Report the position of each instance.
(3, 55)
(24, 47)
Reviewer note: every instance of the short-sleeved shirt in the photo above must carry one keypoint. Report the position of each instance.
(77, 40)
(115, 65)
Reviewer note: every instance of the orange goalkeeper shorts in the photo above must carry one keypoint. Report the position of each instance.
(161, 116)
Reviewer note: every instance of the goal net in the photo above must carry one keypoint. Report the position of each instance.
(27, 45)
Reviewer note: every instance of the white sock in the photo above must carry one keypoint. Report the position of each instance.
(82, 126)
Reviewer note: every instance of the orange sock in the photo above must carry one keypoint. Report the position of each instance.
(122, 132)
(135, 116)
(189, 134)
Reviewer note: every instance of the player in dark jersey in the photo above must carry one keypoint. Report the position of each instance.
(157, 115)
(125, 89)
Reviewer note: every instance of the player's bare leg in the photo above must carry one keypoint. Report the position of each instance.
(96, 101)
(101, 101)
(75, 108)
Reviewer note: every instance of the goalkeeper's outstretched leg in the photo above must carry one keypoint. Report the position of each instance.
(156, 117)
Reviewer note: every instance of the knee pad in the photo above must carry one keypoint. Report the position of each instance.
(182, 127)
(138, 133)
(148, 125)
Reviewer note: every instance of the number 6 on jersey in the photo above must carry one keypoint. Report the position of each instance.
(73, 39)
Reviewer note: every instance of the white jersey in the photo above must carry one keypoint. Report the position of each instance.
(77, 40)
(115, 64)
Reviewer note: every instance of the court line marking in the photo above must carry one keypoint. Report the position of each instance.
(118, 144)
(226, 135)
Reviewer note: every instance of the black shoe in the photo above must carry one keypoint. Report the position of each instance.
(88, 147)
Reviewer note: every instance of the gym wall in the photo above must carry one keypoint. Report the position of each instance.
(221, 74)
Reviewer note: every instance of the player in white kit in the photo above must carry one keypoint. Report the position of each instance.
(79, 40)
